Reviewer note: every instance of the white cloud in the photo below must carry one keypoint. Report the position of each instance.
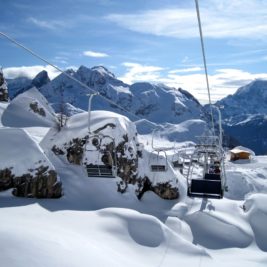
(193, 69)
(29, 71)
(137, 72)
(220, 19)
(90, 53)
(222, 83)
(48, 24)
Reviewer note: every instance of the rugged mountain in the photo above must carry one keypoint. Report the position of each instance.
(248, 100)
(252, 133)
(155, 102)
(244, 115)
(21, 84)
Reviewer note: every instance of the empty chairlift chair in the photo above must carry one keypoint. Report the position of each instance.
(157, 164)
(104, 164)
(176, 160)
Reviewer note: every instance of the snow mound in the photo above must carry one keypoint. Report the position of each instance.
(104, 122)
(246, 178)
(255, 205)
(218, 225)
(3, 106)
(217, 233)
(20, 152)
(146, 231)
(29, 109)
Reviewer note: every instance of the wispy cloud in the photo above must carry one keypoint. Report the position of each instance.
(185, 70)
(61, 60)
(136, 72)
(221, 19)
(223, 82)
(48, 24)
(29, 71)
(90, 53)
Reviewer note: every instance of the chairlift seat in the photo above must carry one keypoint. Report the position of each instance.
(177, 164)
(205, 189)
(212, 176)
(158, 149)
(103, 171)
(158, 168)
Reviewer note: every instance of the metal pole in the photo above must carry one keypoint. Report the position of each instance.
(89, 109)
(220, 125)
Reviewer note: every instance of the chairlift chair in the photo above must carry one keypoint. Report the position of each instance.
(177, 159)
(108, 167)
(157, 166)
(210, 185)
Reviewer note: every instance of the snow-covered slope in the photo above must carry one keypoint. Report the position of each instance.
(249, 99)
(251, 132)
(244, 115)
(29, 109)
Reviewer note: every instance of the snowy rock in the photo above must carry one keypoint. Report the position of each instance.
(112, 143)
(24, 166)
(29, 109)
(3, 88)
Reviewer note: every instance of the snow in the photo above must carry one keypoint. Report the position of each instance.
(239, 149)
(94, 225)
(20, 114)
(3, 106)
(77, 126)
(20, 152)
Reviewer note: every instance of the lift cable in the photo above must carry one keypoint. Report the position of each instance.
(65, 73)
(204, 62)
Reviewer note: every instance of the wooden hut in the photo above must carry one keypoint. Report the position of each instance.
(237, 153)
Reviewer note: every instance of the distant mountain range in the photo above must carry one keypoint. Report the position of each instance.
(244, 113)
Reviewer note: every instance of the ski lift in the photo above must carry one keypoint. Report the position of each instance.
(158, 165)
(105, 164)
(177, 162)
(205, 178)
(105, 159)
(209, 152)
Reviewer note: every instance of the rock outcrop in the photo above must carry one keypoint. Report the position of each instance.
(25, 168)
(113, 145)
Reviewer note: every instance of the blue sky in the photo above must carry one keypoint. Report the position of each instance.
(141, 40)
